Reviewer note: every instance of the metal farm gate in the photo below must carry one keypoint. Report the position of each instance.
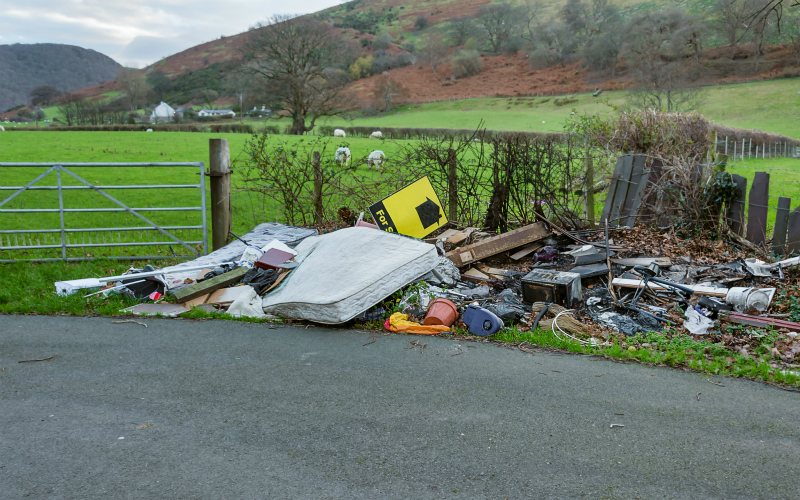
(9, 238)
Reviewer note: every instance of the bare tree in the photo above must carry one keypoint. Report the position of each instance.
(730, 19)
(297, 59)
(43, 94)
(133, 83)
(500, 23)
(791, 32)
(531, 15)
(461, 29)
(434, 50)
(657, 55)
(388, 91)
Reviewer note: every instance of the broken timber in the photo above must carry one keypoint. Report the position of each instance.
(698, 289)
(210, 285)
(501, 243)
(758, 321)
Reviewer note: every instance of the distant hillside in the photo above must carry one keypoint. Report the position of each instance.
(65, 67)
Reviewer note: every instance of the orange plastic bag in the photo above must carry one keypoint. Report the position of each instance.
(398, 322)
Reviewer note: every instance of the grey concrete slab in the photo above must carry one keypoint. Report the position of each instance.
(214, 409)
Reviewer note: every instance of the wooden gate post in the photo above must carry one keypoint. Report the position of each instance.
(589, 190)
(317, 164)
(452, 185)
(220, 173)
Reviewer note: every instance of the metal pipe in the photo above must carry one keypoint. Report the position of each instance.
(140, 164)
(83, 259)
(159, 272)
(146, 186)
(203, 206)
(61, 214)
(44, 210)
(97, 230)
(95, 245)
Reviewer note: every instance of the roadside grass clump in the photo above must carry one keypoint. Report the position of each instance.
(668, 348)
(28, 288)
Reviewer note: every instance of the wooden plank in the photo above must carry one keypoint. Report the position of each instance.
(793, 242)
(643, 261)
(210, 285)
(735, 212)
(622, 189)
(526, 251)
(612, 188)
(637, 174)
(474, 273)
(636, 200)
(758, 321)
(757, 209)
(697, 289)
(781, 225)
(461, 236)
(497, 244)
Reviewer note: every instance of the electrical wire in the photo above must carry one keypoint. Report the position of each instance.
(592, 342)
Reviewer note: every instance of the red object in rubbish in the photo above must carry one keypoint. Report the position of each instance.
(441, 312)
(363, 223)
(273, 259)
(155, 296)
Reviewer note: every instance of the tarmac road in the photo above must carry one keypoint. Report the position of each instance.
(229, 410)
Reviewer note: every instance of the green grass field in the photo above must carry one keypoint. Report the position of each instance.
(119, 147)
(771, 106)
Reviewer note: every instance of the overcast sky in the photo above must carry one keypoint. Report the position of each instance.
(138, 32)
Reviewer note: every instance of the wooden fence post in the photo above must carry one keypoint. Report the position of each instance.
(220, 173)
(317, 165)
(757, 208)
(735, 212)
(589, 191)
(452, 186)
(781, 225)
(794, 231)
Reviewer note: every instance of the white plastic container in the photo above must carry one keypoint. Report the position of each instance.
(743, 299)
(250, 256)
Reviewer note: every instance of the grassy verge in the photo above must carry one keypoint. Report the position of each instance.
(667, 348)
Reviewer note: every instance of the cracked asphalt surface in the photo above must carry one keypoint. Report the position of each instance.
(214, 409)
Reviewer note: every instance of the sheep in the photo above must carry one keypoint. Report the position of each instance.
(342, 156)
(376, 135)
(149, 130)
(2, 129)
(339, 133)
(376, 158)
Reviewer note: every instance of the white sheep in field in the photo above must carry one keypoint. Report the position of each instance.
(342, 156)
(2, 129)
(376, 135)
(376, 158)
(338, 133)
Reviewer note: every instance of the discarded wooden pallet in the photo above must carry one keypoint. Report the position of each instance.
(497, 244)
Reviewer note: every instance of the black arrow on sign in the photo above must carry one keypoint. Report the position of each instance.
(428, 213)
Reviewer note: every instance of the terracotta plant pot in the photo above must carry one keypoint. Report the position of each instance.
(441, 312)
(361, 223)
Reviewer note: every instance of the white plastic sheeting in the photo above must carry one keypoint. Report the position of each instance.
(344, 273)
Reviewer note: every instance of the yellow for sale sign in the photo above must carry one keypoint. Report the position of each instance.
(414, 211)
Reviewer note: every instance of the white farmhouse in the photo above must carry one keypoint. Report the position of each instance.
(216, 112)
(162, 113)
